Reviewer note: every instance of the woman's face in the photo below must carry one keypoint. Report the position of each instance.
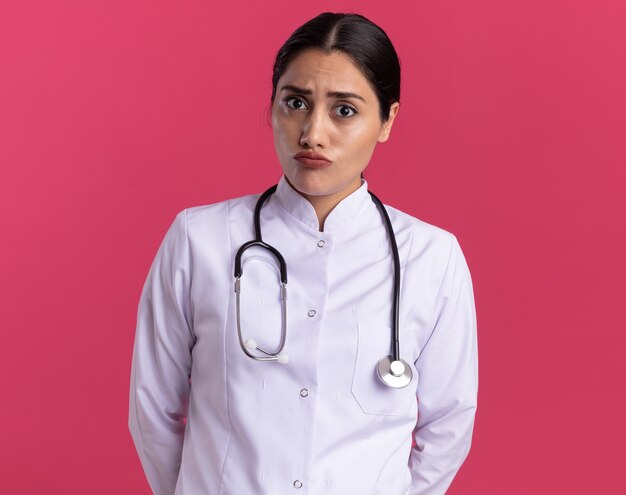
(325, 105)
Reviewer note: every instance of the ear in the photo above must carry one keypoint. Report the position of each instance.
(269, 115)
(386, 128)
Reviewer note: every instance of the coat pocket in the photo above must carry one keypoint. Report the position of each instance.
(372, 395)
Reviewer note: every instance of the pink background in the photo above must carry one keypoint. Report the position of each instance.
(115, 115)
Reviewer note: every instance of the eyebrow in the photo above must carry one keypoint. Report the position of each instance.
(335, 94)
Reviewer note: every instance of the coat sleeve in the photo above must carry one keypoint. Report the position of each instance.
(448, 383)
(161, 363)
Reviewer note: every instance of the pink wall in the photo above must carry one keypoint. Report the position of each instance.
(115, 115)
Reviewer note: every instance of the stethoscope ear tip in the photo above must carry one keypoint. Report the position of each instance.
(282, 358)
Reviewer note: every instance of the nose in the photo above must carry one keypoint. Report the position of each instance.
(315, 131)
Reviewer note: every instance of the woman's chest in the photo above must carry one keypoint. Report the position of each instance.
(337, 316)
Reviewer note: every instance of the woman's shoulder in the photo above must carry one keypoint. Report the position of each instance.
(427, 241)
(440, 246)
(220, 211)
(419, 228)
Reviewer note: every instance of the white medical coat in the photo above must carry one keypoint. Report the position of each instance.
(207, 419)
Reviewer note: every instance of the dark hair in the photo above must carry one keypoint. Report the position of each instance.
(359, 38)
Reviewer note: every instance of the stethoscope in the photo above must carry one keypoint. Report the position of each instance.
(393, 371)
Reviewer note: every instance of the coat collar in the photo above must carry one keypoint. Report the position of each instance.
(343, 215)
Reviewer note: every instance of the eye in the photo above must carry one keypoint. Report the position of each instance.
(345, 111)
(294, 102)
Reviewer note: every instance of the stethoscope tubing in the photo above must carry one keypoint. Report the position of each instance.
(392, 370)
(395, 313)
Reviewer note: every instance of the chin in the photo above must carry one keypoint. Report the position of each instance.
(310, 184)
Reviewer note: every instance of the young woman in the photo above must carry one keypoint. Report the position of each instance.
(335, 353)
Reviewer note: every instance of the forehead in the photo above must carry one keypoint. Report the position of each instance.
(320, 71)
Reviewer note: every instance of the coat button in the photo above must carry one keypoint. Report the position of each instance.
(304, 392)
(297, 484)
(311, 313)
(321, 243)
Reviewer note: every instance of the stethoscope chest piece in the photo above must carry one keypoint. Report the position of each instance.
(395, 374)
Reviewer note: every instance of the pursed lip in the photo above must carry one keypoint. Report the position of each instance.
(311, 156)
